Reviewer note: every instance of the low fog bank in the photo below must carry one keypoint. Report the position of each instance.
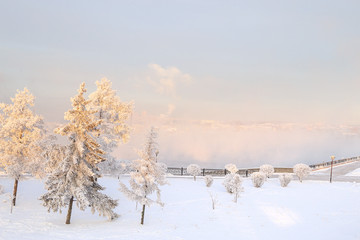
(213, 144)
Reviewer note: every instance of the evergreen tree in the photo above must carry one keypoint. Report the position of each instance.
(21, 132)
(113, 129)
(147, 175)
(76, 175)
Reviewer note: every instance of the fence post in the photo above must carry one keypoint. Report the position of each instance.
(182, 171)
(224, 171)
(203, 171)
(247, 172)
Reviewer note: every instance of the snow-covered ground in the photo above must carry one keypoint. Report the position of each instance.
(308, 210)
(355, 173)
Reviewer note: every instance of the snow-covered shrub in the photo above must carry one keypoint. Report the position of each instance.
(227, 181)
(208, 180)
(258, 179)
(267, 169)
(301, 170)
(193, 170)
(236, 186)
(232, 183)
(285, 179)
(231, 168)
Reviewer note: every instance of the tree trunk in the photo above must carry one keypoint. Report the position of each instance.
(143, 215)
(194, 178)
(15, 191)
(68, 216)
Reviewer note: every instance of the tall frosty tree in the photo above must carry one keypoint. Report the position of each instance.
(76, 175)
(113, 129)
(21, 132)
(148, 174)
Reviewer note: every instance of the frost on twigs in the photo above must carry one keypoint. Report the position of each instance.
(208, 180)
(231, 168)
(75, 176)
(193, 170)
(146, 176)
(21, 134)
(258, 179)
(233, 184)
(113, 129)
(214, 200)
(285, 179)
(267, 169)
(301, 171)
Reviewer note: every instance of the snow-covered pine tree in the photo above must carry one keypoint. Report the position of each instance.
(146, 176)
(21, 132)
(76, 175)
(113, 129)
(54, 154)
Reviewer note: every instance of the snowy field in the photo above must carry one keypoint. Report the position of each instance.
(308, 210)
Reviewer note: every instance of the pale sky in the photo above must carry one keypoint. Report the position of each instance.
(192, 61)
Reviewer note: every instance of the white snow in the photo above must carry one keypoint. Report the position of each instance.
(308, 210)
(355, 173)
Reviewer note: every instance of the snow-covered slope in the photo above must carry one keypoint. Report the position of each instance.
(308, 210)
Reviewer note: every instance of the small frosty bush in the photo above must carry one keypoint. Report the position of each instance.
(231, 168)
(258, 179)
(208, 180)
(232, 182)
(227, 183)
(193, 170)
(285, 179)
(267, 169)
(236, 186)
(301, 170)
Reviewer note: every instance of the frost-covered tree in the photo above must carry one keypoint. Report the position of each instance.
(285, 179)
(146, 176)
(231, 168)
(258, 179)
(112, 129)
(21, 132)
(54, 154)
(227, 182)
(236, 182)
(208, 180)
(267, 169)
(301, 170)
(193, 170)
(232, 183)
(76, 175)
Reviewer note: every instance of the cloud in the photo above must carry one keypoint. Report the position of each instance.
(166, 80)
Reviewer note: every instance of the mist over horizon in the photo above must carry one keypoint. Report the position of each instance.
(212, 144)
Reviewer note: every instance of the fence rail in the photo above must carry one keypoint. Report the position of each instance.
(181, 171)
(326, 164)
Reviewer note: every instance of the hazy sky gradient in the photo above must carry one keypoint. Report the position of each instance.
(244, 61)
